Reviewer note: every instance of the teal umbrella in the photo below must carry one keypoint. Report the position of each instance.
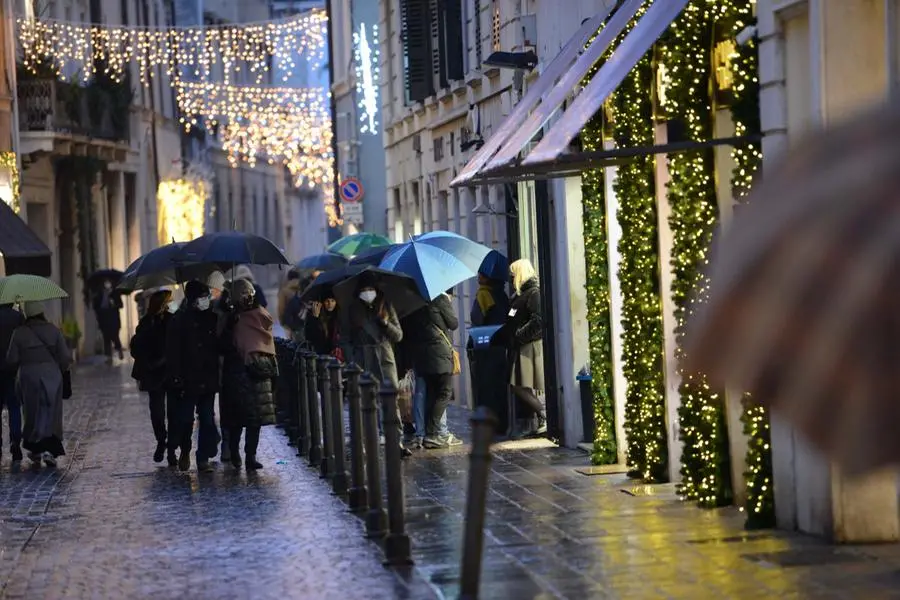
(358, 243)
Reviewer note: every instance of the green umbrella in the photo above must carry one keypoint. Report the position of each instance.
(29, 288)
(358, 243)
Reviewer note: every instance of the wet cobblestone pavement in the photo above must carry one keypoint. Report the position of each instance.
(109, 523)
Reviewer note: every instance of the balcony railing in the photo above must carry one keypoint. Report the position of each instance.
(60, 107)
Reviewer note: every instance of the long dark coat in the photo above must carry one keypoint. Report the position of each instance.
(247, 397)
(526, 327)
(427, 336)
(192, 351)
(108, 319)
(372, 340)
(496, 314)
(148, 348)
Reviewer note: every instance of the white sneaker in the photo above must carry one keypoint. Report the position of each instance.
(49, 459)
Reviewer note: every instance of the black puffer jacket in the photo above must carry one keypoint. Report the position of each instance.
(527, 324)
(247, 397)
(427, 334)
(192, 351)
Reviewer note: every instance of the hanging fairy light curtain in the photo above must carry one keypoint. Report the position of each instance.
(202, 50)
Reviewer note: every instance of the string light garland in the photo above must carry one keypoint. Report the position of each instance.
(639, 277)
(9, 161)
(760, 503)
(367, 78)
(685, 52)
(205, 51)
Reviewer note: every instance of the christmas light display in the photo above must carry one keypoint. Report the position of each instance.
(181, 206)
(367, 76)
(9, 161)
(206, 51)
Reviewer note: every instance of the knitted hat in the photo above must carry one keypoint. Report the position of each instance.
(194, 290)
(243, 291)
(216, 280)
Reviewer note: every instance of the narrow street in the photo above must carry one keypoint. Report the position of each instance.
(109, 523)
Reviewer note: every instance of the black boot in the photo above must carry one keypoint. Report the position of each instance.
(160, 452)
(171, 458)
(252, 464)
(234, 447)
(16, 452)
(251, 443)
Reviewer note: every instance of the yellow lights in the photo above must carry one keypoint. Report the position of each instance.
(9, 161)
(181, 207)
(202, 50)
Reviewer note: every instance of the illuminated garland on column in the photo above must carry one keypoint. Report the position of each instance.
(642, 338)
(760, 505)
(685, 52)
(201, 50)
(596, 255)
(368, 74)
(9, 161)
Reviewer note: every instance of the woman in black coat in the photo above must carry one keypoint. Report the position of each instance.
(525, 324)
(148, 348)
(107, 304)
(249, 370)
(322, 328)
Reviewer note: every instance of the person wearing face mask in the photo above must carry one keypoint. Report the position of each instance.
(192, 365)
(323, 327)
(107, 304)
(374, 329)
(248, 376)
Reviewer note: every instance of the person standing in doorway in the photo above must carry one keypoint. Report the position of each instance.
(491, 303)
(107, 304)
(526, 348)
(10, 319)
(192, 366)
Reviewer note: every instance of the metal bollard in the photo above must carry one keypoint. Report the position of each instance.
(358, 495)
(376, 518)
(292, 425)
(397, 548)
(483, 428)
(315, 420)
(325, 467)
(302, 405)
(339, 477)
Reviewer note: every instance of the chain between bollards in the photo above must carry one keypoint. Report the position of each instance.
(357, 497)
(376, 518)
(397, 548)
(302, 404)
(325, 466)
(315, 421)
(339, 477)
(483, 426)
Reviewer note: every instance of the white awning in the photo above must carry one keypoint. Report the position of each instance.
(557, 68)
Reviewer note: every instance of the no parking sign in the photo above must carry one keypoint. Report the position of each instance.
(351, 190)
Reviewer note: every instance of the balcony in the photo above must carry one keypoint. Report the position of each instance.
(64, 118)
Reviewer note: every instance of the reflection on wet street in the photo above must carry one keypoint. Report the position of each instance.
(109, 523)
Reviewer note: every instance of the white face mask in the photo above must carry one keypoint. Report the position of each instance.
(368, 296)
(203, 303)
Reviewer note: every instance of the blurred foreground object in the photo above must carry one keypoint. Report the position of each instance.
(803, 309)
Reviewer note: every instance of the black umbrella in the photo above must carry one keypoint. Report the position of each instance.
(232, 247)
(325, 282)
(372, 256)
(323, 262)
(97, 278)
(161, 266)
(398, 289)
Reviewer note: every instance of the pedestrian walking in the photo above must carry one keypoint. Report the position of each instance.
(374, 329)
(322, 327)
(250, 369)
(10, 319)
(148, 348)
(192, 367)
(427, 334)
(107, 304)
(526, 348)
(39, 352)
(491, 303)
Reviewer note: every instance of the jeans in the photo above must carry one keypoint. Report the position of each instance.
(419, 402)
(9, 399)
(207, 435)
(438, 395)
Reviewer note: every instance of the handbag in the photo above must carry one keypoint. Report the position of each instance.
(457, 366)
(67, 384)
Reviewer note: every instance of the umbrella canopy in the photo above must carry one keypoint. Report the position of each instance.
(323, 262)
(97, 278)
(161, 267)
(399, 290)
(372, 257)
(437, 261)
(29, 288)
(495, 266)
(325, 282)
(234, 247)
(358, 243)
(802, 306)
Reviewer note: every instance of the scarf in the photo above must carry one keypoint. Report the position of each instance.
(253, 333)
(485, 298)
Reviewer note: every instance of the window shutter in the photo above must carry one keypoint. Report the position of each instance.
(452, 38)
(415, 21)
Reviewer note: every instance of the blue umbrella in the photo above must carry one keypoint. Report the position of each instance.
(436, 261)
(234, 247)
(162, 266)
(495, 266)
(323, 262)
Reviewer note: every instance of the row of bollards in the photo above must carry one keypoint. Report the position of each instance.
(311, 412)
